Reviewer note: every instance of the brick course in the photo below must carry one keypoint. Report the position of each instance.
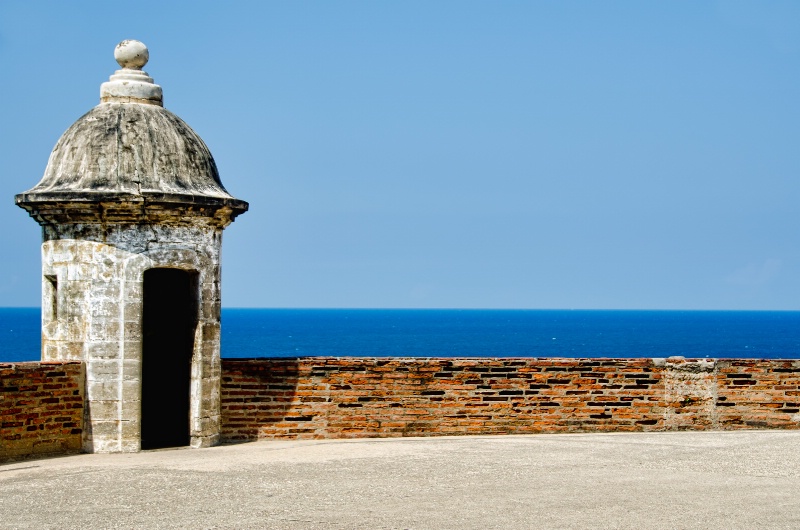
(382, 397)
(41, 408)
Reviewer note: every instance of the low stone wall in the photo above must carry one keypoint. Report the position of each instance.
(383, 397)
(41, 409)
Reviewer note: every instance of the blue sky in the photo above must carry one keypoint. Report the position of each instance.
(628, 155)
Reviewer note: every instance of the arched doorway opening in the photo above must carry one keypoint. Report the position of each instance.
(169, 318)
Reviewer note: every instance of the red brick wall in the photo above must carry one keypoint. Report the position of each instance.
(361, 397)
(41, 408)
(753, 394)
(41, 404)
(357, 397)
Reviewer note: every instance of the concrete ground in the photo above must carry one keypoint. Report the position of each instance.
(704, 480)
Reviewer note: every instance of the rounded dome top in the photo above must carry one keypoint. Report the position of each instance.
(123, 148)
(130, 148)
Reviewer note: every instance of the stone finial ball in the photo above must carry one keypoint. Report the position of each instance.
(131, 54)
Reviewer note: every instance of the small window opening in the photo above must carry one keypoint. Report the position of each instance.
(51, 296)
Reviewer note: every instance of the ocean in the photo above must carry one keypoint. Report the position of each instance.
(473, 333)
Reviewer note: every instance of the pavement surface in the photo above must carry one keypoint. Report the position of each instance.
(746, 479)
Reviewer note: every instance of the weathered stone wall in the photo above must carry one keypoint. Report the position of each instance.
(92, 311)
(371, 397)
(41, 409)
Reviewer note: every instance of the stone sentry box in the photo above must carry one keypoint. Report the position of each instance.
(132, 211)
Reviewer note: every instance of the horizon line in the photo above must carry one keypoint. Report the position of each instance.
(331, 308)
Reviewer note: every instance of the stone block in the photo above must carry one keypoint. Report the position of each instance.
(104, 410)
(199, 442)
(62, 251)
(104, 328)
(132, 349)
(103, 443)
(127, 445)
(50, 350)
(132, 311)
(105, 297)
(50, 330)
(134, 288)
(131, 411)
(98, 350)
(71, 350)
(103, 370)
(133, 331)
(210, 350)
(131, 391)
(204, 426)
(131, 370)
(210, 331)
(80, 271)
(105, 430)
(131, 430)
(103, 390)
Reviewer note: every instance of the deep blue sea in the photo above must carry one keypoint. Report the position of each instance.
(474, 333)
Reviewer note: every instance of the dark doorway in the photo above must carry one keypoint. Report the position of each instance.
(168, 324)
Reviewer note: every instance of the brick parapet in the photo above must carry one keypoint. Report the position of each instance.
(383, 397)
(757, 394)
(41, 408)
(42, 404)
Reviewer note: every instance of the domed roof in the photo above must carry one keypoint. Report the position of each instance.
(130, 148)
